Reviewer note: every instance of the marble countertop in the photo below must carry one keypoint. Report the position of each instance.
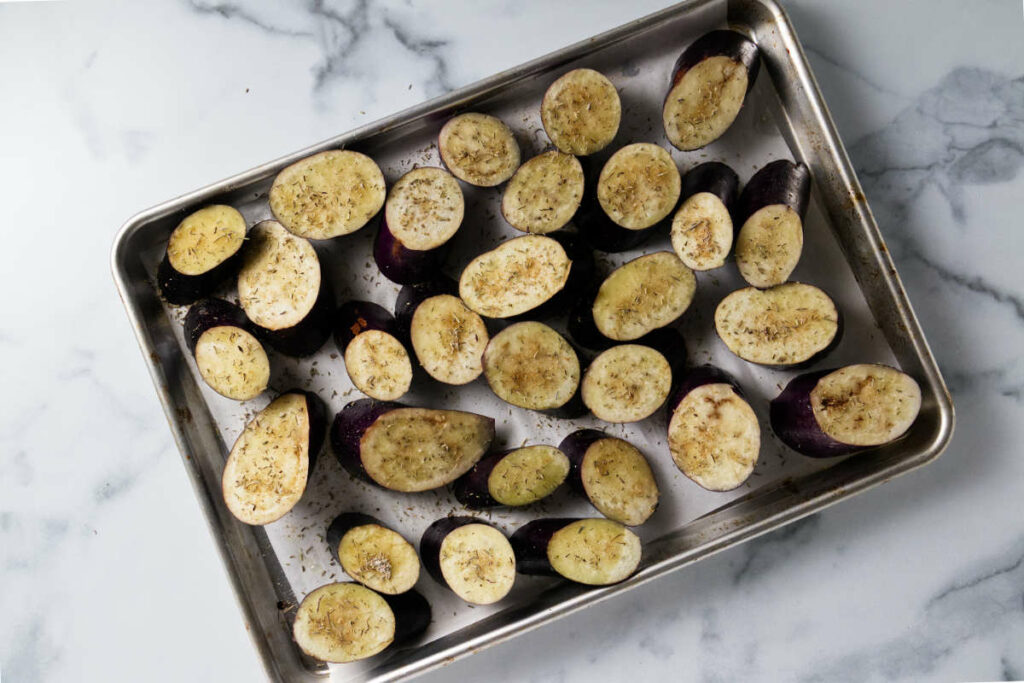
(107, 568)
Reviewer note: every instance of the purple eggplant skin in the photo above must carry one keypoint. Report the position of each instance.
(317, 411)
(793, 420)
(714, 177)
(780, 182)
(530, 544)
(305, 338)
(400, 264)
(695, 377)
(411, 296)
(724, 43)
(575, 447)
(412, 615)
(433, 537)
(181, 290)
(342, 524)
(471, 489)
(213, 313)
(347, 431)
(355, 317)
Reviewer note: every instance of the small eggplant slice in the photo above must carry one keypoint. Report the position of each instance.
(770, 214)
(423, 211)
(713, 433)
(471, 557)
(375, 358)
(203, 251)
(230, 358)
(346, 622)
(372, 554)
(710, 81)
(645, 294)
(838, 412)
(530, 365)
(613, 475)
(449, 339)
(269, 465)
(408, 449)
(515, 277)
(595, 552)
(328, 194)
(786, 326)
(626, 383)
(479, 149)
(514, 478)
(544, 193)
(581, 112)
(411, 296)
(702, 229)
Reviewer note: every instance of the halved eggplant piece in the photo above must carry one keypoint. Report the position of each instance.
(423, 211)
(710, 81)
(581, 112)
(613, 475)
(515, 277)
(517, 477)
(479, 149)
(372, 554)
(713, 433)
(837, 412)
(702, 229)
(408, 449)
(645, 294)
(411, 296)
(770, 214)
(665, 340)
(530, 365)
(596, 552)
(346, 622)
(328, 194)
(626, 383)
(785, 326)
(203, 251)
(230, 358)
(375, 358)
(269, 465)
(471, 557)
(449, 339)
(544, 193)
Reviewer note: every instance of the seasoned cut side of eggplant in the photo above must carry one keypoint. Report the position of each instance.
(647, 293)
(471, 557)
(544, 193)
(231, 360)
(626, 383)
(479, 149)
(702, 229)
(710, 82)
(531, 366)
(202, 252)
(449, 339)
(613, 475)
(595, 552)
(515, 277)
(518, 477)
(639, 186)
(411, 296)
(372, 554)
(328, 194)
(581, 112)
(375, 359)
(787, 325)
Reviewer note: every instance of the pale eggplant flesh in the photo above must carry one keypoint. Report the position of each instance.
(203, 251)
(471, 557)
(626, 383)
(613, 475)
(479, 149)
(376, 359)
(581, 112)
(514, 478)
(591, 551)
(372, 553)
(532, 366)
(702, 229)
(227, 350)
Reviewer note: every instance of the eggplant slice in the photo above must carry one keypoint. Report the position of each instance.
(479, 149)
(544, 193)
(702, 229)
(531, 366)
(626, 383)
(595, 552)
(645, 294)
(375, 358)
(449, 339)
(639, 186)
(471, 557)
(202, 251)
(514, 478)
(372, 554)
(581, 112)
(230, 358)
(515, 277)
(613, 475)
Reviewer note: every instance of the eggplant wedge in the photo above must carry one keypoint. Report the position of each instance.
(710, 82)
(613, 475)
(515, 277)
(595, 552)
(514, 478)
(372, 554)
(408, 449)
(479, 149)
(544, 193)
(203, 251)
(531, 366)
(702, 229)
(581, 112)
(230, 358)
(626, 383)
(375, 358)
(837, 412)
(470, 557)
(449, 339)
(645, 294)
(270, 463)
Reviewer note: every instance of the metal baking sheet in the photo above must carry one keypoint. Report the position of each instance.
(274, 566)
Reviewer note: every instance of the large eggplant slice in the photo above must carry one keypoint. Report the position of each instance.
(471, 557)
(203, 251)
(581, 112)
(269, 465)
(372, 554)
(613, 475)
(479, 149)
(449, 339)
(770, 214)
(230, 358)
(838, 412)
(702, 229)
(515, 277)
(710, 81)
(544, 193)
(517, 477)
(408, 449)
(596, 552)
(423, 211)
(375, 358)
(346, 622)
(530, 365)
(713, 433)
(328, 194)
(626, 383)
(645, 294)
(786, 326)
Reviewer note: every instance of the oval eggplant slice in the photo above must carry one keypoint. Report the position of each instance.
(411, 296)
(267, 468)
(595, 552)
(530, 365)
(838, 412)
(613, 475)
(449, 339)
(785, 326)
(375, 358)
(515, 277)
(479, 149)
(626, 383)
(328, 194)
(647, 293)
(229, 357)
(581, 112)
(408, 449)
(517, 477)
(471, 557)
(702, 228)
(713, 433)
(544, 193)
(710, 81)
(372, 554)
(639, 186)
(203, 251)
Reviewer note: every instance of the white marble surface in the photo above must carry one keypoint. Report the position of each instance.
(106, 567)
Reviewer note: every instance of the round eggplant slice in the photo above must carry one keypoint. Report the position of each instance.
(479, 149)
(372, 554)
(595, 552)
(702, 229)
(530, 365)
(229, 357)
(544, 193)
(514, 478)
(449, 339)
(202, 252)
(649, 292)
(614, 476)
(515, 277)
(581, 112)
(378, 365)
(639, 186)
(328, 194)
(411, 296)
(785, 326)
(471, 557)
(626, 383)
